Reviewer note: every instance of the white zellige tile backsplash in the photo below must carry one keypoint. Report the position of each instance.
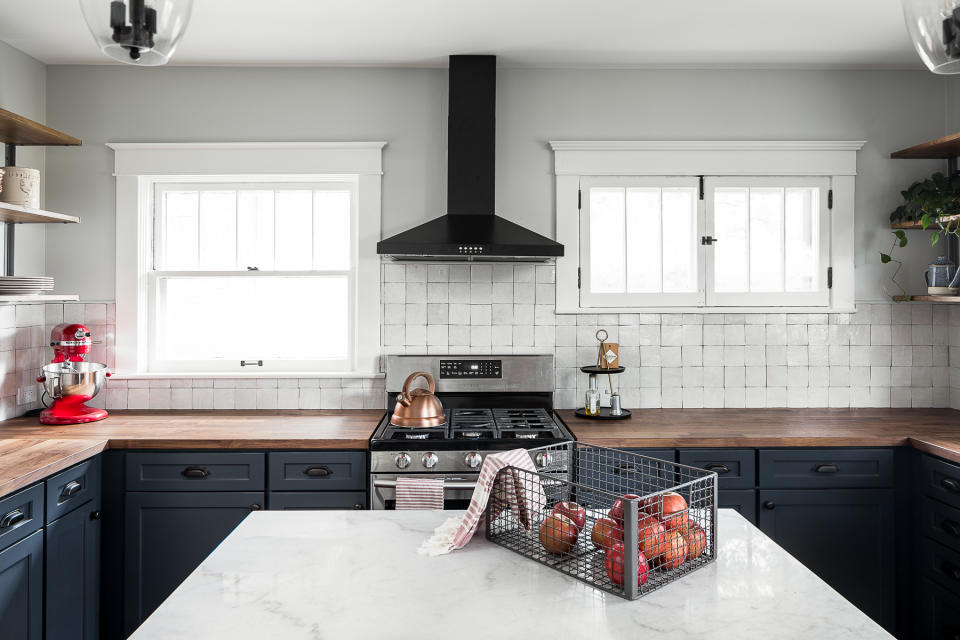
(884, 355)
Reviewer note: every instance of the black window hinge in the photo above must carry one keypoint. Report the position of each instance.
(830, 199)
(579, 199)
(578, 277)
(829, 277)
(701, 187)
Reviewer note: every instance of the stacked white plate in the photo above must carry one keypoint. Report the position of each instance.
(25, 285)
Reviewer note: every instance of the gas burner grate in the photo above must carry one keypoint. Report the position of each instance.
(523, 419)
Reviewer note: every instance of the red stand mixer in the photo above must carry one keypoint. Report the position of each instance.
(71, 381)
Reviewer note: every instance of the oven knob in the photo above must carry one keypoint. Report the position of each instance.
(473, 460)
(402, 460)
(543, 459)
(430, 460)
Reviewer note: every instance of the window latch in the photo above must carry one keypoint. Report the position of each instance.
(251, 363)
(708, 240)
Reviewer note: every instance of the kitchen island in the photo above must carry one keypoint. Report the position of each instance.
(310, 575)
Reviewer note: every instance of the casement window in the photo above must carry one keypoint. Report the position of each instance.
(232, 273)
(749, 240)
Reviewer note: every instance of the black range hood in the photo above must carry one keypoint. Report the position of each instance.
(470, 230)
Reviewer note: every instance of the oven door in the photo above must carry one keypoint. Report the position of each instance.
(458, 489)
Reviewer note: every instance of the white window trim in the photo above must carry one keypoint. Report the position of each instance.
(139, 166)
(836, 160)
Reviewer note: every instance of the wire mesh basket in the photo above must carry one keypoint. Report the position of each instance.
(631, 515)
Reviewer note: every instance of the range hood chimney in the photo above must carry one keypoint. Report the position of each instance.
(471, 230)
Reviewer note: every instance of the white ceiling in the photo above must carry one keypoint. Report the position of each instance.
(574, 33)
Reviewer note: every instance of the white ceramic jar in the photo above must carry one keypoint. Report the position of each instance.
(21, 186)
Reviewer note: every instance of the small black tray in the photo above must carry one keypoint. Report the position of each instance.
(603, 415)
(600, 370)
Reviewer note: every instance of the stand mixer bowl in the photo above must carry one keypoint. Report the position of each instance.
(80, 380)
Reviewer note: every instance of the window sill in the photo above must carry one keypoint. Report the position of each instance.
(702, 310)
(121, 375)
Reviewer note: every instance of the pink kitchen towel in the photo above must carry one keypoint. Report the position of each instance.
(419, 493)
(523, 497)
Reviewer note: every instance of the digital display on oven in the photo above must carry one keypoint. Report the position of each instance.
(471, 369)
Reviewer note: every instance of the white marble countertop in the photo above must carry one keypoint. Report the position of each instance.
(356, 574)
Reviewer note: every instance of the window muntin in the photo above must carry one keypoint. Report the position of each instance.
(253, 271)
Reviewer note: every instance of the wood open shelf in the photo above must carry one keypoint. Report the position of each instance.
(948, 299)
(915, 224)
(16, 213)
(18, 130)
(941, 148)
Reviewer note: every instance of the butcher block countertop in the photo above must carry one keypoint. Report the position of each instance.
(935, 431)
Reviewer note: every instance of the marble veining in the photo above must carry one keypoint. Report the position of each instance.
(344, 574)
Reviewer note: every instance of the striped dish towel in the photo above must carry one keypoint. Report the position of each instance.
(523, 498)
(419, 493)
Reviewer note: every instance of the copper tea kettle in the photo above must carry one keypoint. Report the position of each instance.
(418, 407)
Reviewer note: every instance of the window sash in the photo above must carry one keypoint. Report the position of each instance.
(819, 297)
(589, 298)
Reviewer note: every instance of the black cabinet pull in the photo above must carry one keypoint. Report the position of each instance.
(12, 518)
(318, 472)
(769, 504)
(951, 570)
(255, 507)
(195, 472)
(96, 515)
(826, 468)
(625, 468)
(358, 507)
(69, 490)
(951, 484)
(951, 527)
(718, 468)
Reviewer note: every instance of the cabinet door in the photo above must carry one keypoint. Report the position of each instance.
(844, 536)
(73, 575)
(167, 535)
(939, 612)
(743, 500)
(317, 500)
(21, 589)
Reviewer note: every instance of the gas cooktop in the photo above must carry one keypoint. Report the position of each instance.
(474, 424)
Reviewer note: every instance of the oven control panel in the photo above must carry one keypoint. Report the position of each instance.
(471, 369)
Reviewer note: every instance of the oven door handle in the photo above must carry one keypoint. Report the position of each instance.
(452, 485)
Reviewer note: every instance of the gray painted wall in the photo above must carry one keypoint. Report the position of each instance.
(406, 107)
(23, 82)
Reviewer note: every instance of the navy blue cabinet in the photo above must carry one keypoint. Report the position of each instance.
(316, 500)
(167, 535)
(843, 535)
(72, 549)
(21, 589)
(744, 501)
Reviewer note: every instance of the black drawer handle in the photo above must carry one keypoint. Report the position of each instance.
(951, 527)
(625, 468)
(255, 507)
(951, 484)
(826, 468)
(12, 518)
(358, 507)
(318, 472)
(195, 472)
(96, 515)
(769, 504)
(718, 468)
(69, 490)
(951, 570)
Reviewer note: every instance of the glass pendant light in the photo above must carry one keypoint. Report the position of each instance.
(934, 27)
(140, 32)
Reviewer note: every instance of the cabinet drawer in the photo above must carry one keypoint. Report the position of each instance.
(939, 612)
(20, 514)
(318, 471)
(735, 468)
(195, 471)
(826, 468)
(940, 563)
(940, 522)
(317, 500)
(71, 488)
(940, 480)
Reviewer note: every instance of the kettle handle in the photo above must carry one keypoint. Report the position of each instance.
(431, 384)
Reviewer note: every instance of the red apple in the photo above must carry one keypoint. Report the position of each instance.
(696, 539)
(676, 551)
(558, 533)
(615, 566)
(573, 511)
(616, 512)
(605, 533)
(670, 507)
(652, 537)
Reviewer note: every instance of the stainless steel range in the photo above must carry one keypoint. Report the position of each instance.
(491, 403)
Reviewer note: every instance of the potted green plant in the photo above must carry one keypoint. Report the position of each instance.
(933, 202)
